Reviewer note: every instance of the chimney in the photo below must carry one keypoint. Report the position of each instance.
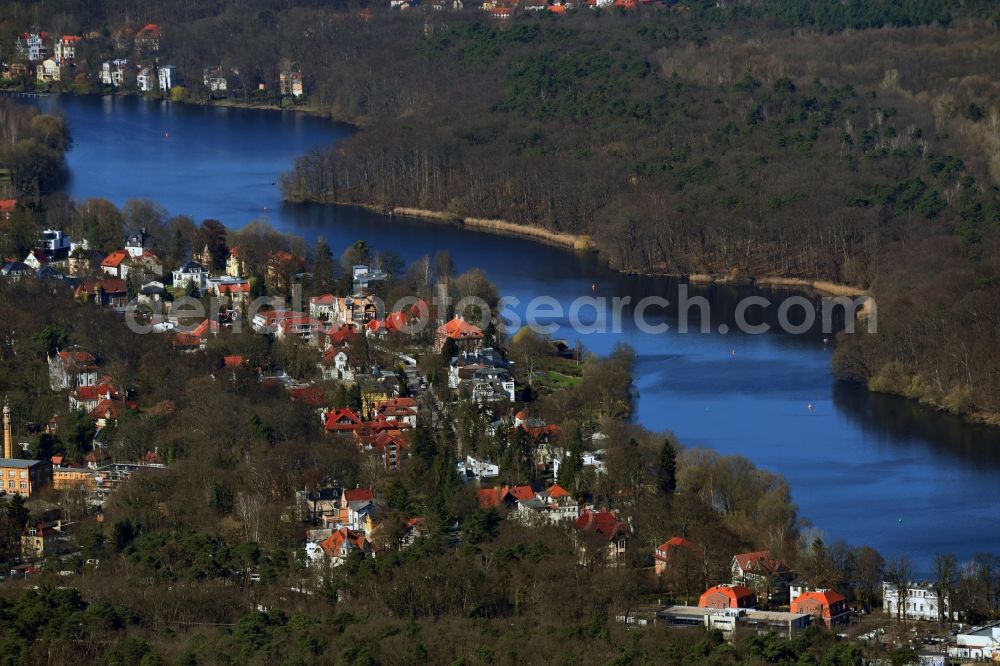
(8, 446)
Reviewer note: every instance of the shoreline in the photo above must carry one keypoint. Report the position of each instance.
(583, 243)
(226, 102)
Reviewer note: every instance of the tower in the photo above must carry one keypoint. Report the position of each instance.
(8, 446)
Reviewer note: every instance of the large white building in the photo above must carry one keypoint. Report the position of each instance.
(919, 603)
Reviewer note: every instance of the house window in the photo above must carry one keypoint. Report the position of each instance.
(24, 475)
(11, 484)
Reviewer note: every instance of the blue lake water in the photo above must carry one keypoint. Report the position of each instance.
(870, 469)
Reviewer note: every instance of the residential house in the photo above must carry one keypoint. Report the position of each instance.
(390, 447)
(236, 289)
(728, 596)
(145, 80)
(32, 46)
(36, 259)
(402, 411)
(147, 266)
(341, 420)
(674, 550)
(135, 245)
(316, 504)
(166, 77)
(484, 375)
(473, 468)
(43, 540)
(336, 548)
(356, 310)
(828, 607)
(89, 397)
(72, 369)
(15, 70)
(234, 265)
(603, 535)
(215, 81)
(768, 575)
(287, 323)
(15, 270)
(462, 333)
(147, 40)
(290, 82)
(335, 364)
(108, 412)
(504, 496)
(592, 459)
(48, 71)
(114, 264)
(104, 293)
(550, 506)
(55, 243)
(191, 273)
(921, 601)
(322, 307)
(355, 505)
(113, 72)
(65, 50)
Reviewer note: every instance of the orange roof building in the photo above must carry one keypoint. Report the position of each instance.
(728, 596)
(460, 331)
(828, 606)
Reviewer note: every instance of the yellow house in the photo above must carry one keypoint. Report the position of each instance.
(234, 265)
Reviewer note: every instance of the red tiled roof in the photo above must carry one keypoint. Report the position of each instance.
(459, 329)
(115, 259)
(204, 328)
(310, 395)
(8, 205)
(78, 358)
(759, 560)
(557, 491)
(341, 420)
(324, 299)
(332, 544)
(663, 550)
(605, 523)
(359, 494)
(109, 286)
(232, 361)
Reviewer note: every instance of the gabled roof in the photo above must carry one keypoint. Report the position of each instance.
(109, 286)
(358, 494)
(81, 360)
(341, 420)
(827, 598)
(760, 561)
(115, 259)
(323, 299)
(459, 329)
(204, 328)
(335, 542)
(738, 595)
(604, 523)
(557, 492)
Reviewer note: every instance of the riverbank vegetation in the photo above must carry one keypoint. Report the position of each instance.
(32, 148)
